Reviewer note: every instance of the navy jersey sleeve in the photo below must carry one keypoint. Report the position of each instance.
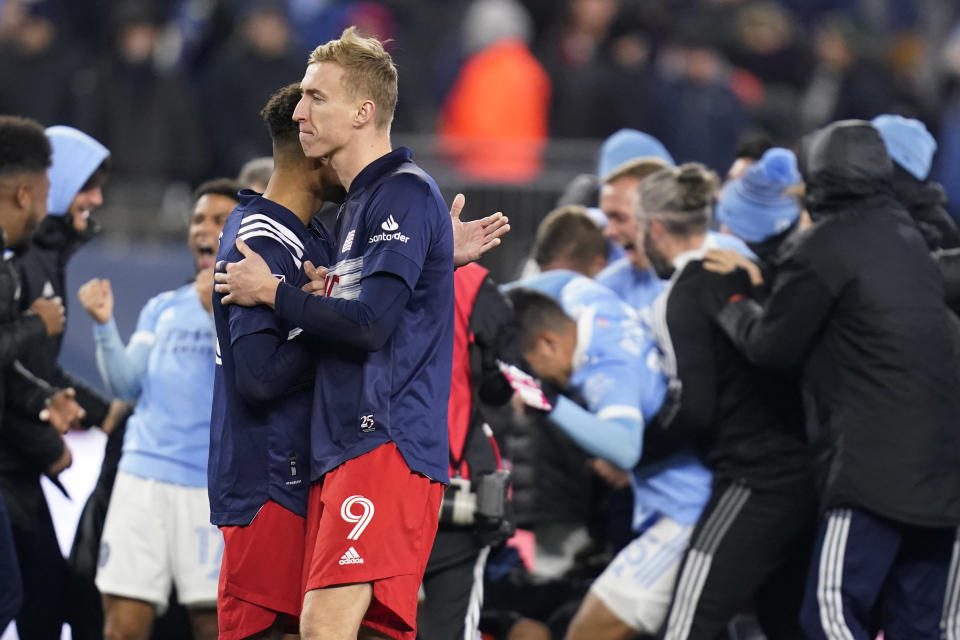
(400, 224)
(245, 321)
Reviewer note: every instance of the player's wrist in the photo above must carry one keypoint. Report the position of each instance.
(267, 293)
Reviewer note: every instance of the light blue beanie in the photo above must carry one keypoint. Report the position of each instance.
(75, 157)
(908, 142)
(626, 145)
(754, 206)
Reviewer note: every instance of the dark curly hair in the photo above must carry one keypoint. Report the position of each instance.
(278, 114)
(24, 147)
(219, 187)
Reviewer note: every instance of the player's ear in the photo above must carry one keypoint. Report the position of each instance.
(366, 113)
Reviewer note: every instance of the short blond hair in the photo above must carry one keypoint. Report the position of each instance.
(369, 71)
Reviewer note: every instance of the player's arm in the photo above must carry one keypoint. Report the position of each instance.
(391, 268)
(26, 393)
(18, 335)
(123, 367)
(268, 365)
(779, 334)
(366, 322)
(614, 433)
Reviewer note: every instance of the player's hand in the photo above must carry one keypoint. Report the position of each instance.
(727, 260)
(473, 239)
(248, 282)
(117, 407)
(317, 283)
(613, 476)
(204, 286)
(62, 411)
(96, 296)
(62, 463)
(52, 313)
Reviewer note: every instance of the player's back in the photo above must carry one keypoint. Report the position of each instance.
(259, 446)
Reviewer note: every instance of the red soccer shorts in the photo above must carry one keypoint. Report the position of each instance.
(372, 519)
(261, 573)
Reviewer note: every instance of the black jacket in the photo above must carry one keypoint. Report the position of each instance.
(28, 446)
(43, 273)
(727, 409)
(20, 392)
(859, 306)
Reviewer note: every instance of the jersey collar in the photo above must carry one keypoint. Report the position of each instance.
(251, 201)
(380, 167)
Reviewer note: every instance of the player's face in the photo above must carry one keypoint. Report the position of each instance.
(81, 206)
(33, 209)
(652, 235)
(209, 215)
(326, 111)
(552, 355)
(619, 201)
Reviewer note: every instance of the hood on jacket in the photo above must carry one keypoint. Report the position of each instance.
(926, 201)
(842, 163)
(76, 156)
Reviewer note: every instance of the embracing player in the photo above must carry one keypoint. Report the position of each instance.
(378, 427)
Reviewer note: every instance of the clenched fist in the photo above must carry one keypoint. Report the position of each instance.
(96, 297)
(52, 313)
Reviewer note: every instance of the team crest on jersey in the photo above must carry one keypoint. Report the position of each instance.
(348, 243)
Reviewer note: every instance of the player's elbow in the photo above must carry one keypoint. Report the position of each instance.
(254, 390)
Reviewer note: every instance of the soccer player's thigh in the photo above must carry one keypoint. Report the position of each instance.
(377, 523)
(133, 573)
(196, 548)
(633, 593)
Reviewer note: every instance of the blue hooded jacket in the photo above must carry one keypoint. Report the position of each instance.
(76, 156)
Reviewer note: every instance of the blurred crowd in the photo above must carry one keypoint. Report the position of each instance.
(173, 87)
(828, 422)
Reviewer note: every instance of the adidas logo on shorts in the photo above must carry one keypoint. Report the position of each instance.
(351, 557)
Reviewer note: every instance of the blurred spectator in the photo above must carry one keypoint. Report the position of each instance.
(255, 174)
(699, 116)
(38, 66)
(629, 51)
(133, 95)
(261, 56)
(948, 161)
(494, 121)
(911, 147)
(848, 83)
(584, 83)
(769, 44)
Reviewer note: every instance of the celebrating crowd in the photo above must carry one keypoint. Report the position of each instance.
(709, 408)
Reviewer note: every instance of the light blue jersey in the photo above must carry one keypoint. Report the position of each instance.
(640, 287)
(637, 287)
(168, 369)
(616, 369)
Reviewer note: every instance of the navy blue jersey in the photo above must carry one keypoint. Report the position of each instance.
(259, 450)
(394, 221)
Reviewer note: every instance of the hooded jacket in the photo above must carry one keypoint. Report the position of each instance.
(858, 307)
(30, 446)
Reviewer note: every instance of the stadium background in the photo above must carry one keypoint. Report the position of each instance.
(173, 88)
